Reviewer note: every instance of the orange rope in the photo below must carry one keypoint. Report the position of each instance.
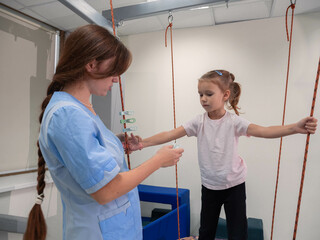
(174, 120)
(172, 67)
(306, 154)
(120, 84)
(292, 6)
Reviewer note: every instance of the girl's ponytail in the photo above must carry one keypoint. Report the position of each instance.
(235, 92)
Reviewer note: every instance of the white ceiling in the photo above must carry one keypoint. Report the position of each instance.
(58, 15)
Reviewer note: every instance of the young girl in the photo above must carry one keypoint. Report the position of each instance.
(223, 171)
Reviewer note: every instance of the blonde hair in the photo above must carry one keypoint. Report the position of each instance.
(225, 81)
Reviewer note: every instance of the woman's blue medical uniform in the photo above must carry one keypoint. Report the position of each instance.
(83, 156)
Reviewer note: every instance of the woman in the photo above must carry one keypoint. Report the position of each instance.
(85, 159)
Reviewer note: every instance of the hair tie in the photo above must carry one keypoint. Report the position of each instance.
(39, 199)
(218, 72)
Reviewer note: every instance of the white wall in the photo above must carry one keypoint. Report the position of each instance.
(256, 52)
(27, 54)
(26, 65)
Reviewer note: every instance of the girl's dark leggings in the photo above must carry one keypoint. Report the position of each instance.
(234, 201)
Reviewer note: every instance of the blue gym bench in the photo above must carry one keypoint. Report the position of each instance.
(255, 229)
(165, 225)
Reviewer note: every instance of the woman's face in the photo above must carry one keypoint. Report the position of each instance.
(101, 86)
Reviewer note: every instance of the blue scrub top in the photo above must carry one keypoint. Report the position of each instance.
(83, 156)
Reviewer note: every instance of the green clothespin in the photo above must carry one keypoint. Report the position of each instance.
(129, 120)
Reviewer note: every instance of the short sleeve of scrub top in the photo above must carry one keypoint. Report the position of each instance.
(82, 148)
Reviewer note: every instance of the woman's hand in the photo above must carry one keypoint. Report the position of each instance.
(169, 156)
(306, 125)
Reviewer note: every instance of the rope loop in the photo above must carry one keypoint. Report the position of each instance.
(292, 6)
(169, 26)
(170, 20)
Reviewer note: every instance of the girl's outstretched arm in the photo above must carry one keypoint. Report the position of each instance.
(163, 137)
(304, 126)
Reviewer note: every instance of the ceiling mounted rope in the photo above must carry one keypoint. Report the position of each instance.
(306, 154)
(121, 94)
(292, 6)
(170, 20)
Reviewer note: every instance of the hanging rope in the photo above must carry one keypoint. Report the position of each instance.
(170, 19)
(122, 102)
(306, 154)
(292, 6)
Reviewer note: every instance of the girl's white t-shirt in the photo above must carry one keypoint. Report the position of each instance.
(220, 165)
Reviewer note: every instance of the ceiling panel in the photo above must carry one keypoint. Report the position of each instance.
(13, 4)
(148, 24)
(28, 3)
(105, 4)
(241, 12)
(46, 10)
(69, 21)
(35, 15)
(56, 14)
(181, 19)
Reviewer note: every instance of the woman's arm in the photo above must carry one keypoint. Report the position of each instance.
(163, 137)
(304, 126)
(126, 181)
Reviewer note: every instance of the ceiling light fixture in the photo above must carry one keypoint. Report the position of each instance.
(229, 3)
(200, 8)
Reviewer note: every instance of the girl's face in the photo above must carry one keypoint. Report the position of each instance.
(212, 98)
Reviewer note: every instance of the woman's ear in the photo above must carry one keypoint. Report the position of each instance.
(91, 67)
